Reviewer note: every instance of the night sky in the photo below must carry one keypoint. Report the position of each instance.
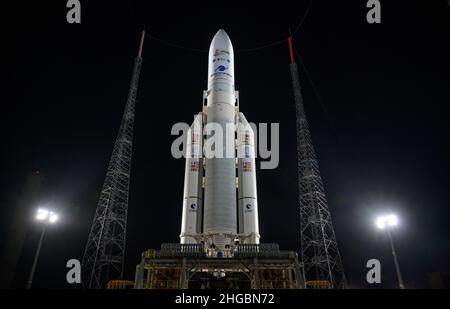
(376, 99)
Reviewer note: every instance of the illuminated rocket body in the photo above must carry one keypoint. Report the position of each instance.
(220, 199)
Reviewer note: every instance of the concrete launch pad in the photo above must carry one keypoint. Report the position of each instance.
(186, 266)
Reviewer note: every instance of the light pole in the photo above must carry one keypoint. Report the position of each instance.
(46, 217)
(387, 223)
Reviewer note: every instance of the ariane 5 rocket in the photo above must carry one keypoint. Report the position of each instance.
(220, 208)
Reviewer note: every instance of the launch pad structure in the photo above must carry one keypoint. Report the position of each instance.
(186, 266)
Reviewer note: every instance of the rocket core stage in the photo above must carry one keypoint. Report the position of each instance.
(220, 206)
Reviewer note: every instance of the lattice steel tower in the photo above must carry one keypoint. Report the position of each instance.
(319, 250)
(104, 254)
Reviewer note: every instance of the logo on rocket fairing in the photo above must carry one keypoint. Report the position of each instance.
(221, 68)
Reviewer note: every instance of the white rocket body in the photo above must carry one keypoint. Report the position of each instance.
(191, 223)
(225, 198)
(247, 199)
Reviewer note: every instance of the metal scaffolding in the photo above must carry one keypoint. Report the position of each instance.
(319, 250)
(104, 254)
(186, 266)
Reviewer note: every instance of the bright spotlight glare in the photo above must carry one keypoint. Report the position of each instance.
(42, 214)
(392, 220)
(53, 218)
(46, 215)
(380, 223)
(389, 220)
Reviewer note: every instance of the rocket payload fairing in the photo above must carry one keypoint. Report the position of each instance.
(220, 206)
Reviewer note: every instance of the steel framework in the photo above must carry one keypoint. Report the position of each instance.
(187, 266)
(319, 249)
(104, 253)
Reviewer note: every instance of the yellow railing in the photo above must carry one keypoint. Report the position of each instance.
(120, 284)
(318, 284)
(276, 279)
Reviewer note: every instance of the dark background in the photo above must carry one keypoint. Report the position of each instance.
(377, 112)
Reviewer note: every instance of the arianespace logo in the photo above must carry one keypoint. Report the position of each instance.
(221, 68)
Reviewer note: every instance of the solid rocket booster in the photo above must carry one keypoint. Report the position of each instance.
(220, 200)
(191, 223)
(247, 199)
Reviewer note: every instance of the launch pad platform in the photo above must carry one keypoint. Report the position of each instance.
(186, 266)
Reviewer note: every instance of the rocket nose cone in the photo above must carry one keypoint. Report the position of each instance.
(221, 40)
(221, 64)
(221, 32)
